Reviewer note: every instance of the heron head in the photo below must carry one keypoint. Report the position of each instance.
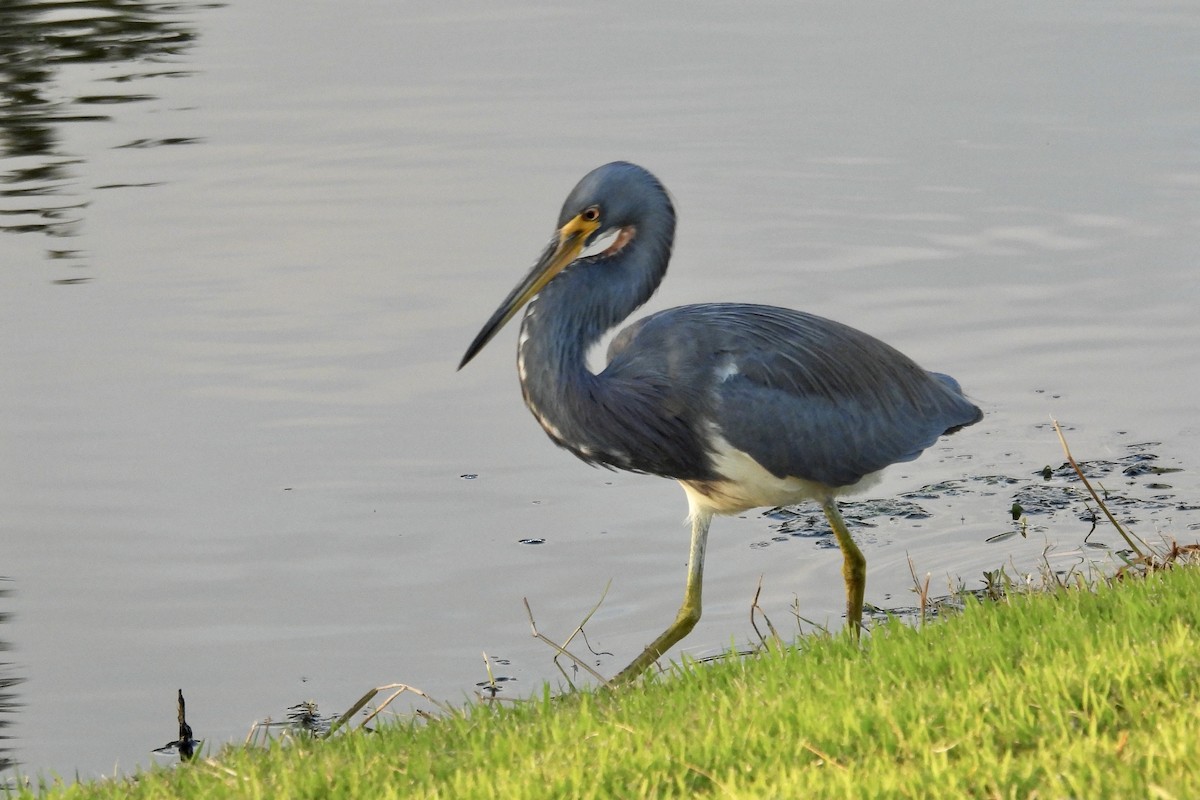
(601, 214)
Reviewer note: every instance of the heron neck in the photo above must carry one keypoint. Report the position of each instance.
(569, 316)
(588, 299)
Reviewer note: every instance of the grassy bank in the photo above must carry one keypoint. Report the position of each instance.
(1075, 693)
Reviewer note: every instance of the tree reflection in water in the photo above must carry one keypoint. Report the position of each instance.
(41, 190)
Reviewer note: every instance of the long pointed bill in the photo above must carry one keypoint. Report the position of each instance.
(571, 239)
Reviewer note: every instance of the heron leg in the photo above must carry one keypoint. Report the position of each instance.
(689, 612)
(854, 566)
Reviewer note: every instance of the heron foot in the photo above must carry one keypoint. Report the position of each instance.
(685, 620)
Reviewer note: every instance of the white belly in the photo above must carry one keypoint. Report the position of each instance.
(748, 484)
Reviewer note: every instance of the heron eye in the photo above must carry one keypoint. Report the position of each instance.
(591, 215)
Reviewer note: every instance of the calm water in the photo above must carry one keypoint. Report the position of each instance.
(246, 244)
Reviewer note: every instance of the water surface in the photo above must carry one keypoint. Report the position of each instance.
(246, 245)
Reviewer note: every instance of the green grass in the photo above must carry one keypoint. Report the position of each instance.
(1072, 693)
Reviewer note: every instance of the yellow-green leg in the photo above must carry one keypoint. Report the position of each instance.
(854, 566)
(689, 612)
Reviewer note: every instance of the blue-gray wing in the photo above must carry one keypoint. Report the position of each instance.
(804, 396)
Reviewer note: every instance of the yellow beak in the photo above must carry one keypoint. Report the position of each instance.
(562, 251)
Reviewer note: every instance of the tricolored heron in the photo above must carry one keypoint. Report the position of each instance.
(744, 405)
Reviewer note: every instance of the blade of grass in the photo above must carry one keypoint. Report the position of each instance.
(1120, 528)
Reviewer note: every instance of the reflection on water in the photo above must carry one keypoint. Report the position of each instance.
(186, 745)
(7, 696)
(41, 189)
